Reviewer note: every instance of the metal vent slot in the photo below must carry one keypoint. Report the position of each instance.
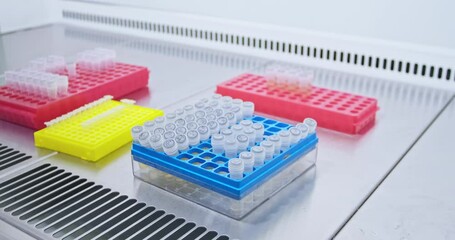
(298, 49)
(65, 206)
(10, 157)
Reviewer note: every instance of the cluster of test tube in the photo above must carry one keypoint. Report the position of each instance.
(98, 59)
(50, 64)
(223, 121)
(38, 83)
(287, 76)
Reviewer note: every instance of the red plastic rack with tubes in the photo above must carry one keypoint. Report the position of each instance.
(336, 110)
(33, 111)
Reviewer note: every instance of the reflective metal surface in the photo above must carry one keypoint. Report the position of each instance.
(315, 206)
(417, 200)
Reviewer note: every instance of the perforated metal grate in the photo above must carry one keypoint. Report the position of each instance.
(66, 206)
(10, 157)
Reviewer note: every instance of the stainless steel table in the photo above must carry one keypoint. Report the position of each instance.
(315, 206)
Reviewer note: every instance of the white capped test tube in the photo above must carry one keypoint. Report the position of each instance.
(237, 102)
(199, 114)
(199, 105)
(213, 127)
(72, 70)
(159, 131)
(311, 123)
(170, 147)
(227, 133)
(246, 123)
(179, 112)
(249, 132)
(216, 96)
(248, 109)
(149, 125)
(170, 126)
(231, 118)
(189, 109)
(217, 142)
(226, 99)
(170, 117)
(269, 149)
(285, 137)
(203, 132)
(218, 112)
(304, 128)
(144, 139)
(180, 122)
(211, 117)
(259, 155)
(259, 131)
(226, 107)
(242, 142)
(181, 130)
(222, 122)
(190, 118)
(248, 160)
(156, 142)
(209, 109)
(236, 168)
(201, 122)
(237, 129)
(182, 142)
(169, 135)
(230, 148)
(204, 100)
(193, 137)
(214, 104)
(135, 131)
(238, 114)
(296, 135)
(160, 121)
(276, 140)
(191, 126)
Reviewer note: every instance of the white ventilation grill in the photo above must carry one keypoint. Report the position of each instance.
(301, 50)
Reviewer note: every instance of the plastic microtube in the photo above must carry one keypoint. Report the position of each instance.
(170, 127)
(159, 131)
(227, 133)
(193, 137)
(246, 123)
(135, 131)
(259, 131)
(226, 107)
(203, 132)
(204, 100)
(199, 114)
(236, 168)
(311, 123)
(231, 118)
(211, 117)
(242, 142)
(248, 160)
(217, 142)
(190, 118)
(199, 105)
(237, 102)
(170, 117)
(169, 135)
(218, 112)
(188, 109)
(179, 112)
(170, 147)
(259, 155)
(237, 129)
(144, 139)
(214, 103)
(156, 142)
(285, 136)
(222, 122)
(181, 130)
(72, 70)
(149, 125)
(276, 140)
(180, 122)
(304, 128)
(213, 127)
(191, 126)
(201, 121)
(238, 113)
(209, 109)
(295, 135)
(248, 109)
(160, 121)
(230, 148)
(182, 142)
(249, 132)
(226, 99)
(216, 96)
(269, 149)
